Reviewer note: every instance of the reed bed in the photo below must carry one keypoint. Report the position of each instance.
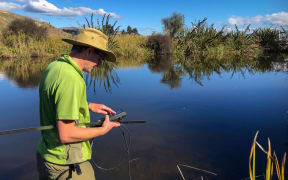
(21, 45)
(132, 46)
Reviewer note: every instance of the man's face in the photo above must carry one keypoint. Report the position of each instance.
(92, 58)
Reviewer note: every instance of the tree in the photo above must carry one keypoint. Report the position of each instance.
(135, 31)
(129, 29)
(173, 24)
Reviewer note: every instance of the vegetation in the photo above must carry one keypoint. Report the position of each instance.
(160, 44)
(28, 27)
(202, 40)
(130, 30)
(24, 72)
(272, 161)
(173, 25)
(269, 39)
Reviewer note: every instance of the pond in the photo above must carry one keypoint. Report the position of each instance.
(199, 116)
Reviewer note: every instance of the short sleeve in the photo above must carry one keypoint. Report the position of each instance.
(67, 100)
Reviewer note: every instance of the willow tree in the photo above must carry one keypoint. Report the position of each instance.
(173, 24)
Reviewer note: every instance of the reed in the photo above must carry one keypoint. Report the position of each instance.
(272, 161)
(21, 45)
(132, 46)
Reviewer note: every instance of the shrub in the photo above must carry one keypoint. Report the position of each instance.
(161, 44)
(27, 27)
(269, 39)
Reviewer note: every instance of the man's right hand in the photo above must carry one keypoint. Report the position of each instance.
(108, 125)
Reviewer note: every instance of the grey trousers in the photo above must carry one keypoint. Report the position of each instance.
(51, 171)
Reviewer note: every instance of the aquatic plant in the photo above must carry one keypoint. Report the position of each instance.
(272, 161)
(193, 41)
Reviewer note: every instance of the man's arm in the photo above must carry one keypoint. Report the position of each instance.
(69, 133)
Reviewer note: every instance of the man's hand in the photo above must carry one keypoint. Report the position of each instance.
(108, 125)
(68, 132)
(100, 109)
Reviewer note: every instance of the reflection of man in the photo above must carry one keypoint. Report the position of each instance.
(64, 152)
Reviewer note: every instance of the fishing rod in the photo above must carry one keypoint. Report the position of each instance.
(116, 118)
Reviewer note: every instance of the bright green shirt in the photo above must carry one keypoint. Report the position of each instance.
(62, 93)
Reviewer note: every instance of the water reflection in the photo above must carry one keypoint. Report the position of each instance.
(2, 76)
(103, 75)
(172, 73)
(25, 73)
(197, 70)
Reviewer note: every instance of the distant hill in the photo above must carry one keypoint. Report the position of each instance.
(7, 17)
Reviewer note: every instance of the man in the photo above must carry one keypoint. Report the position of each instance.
(64, 152)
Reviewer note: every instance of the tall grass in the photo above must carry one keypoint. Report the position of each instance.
(272, 161)
(21, 45)
(132, 46)
(203, 40)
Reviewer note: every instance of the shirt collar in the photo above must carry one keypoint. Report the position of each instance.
(68, 59)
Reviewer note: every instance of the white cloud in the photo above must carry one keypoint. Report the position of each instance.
(238, 20)
(8, 6)
(40, 6)
(280, 18)
(47, 8)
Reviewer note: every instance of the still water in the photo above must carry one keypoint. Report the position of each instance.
(207, 122)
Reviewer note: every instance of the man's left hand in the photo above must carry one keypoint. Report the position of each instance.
(100, 109)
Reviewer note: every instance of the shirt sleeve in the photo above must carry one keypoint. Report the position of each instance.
(67, 100)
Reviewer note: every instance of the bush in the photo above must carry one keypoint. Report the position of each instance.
(161, 44)
(269, 39)
(27, 27)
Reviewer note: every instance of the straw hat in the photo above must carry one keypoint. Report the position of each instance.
(93, 38)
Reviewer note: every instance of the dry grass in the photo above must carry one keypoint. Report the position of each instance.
(132, 46)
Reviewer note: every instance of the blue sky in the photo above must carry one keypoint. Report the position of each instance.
(146, 15)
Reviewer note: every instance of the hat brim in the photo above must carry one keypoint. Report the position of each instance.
(110, 56)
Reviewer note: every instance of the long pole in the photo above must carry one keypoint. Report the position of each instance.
(115, 118)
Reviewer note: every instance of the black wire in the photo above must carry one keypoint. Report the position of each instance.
(125, 132)
(127, 144)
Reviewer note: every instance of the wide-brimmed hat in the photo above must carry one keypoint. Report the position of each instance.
(93, 38)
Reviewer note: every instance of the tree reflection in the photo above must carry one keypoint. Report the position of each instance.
(25, 73)
(103, 75)
(172, 73)
(203, 68)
